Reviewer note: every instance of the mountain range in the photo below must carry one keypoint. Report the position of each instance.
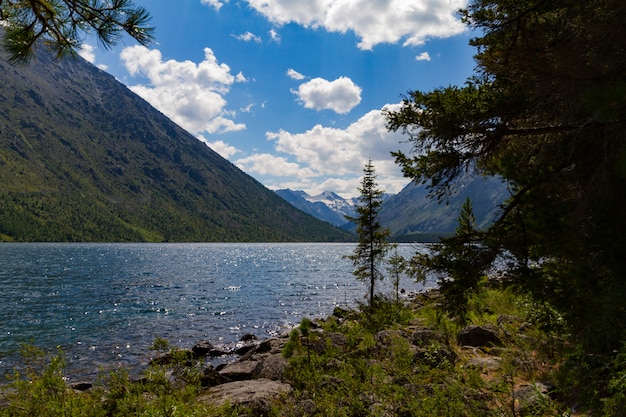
(412, 214)
(82, 158)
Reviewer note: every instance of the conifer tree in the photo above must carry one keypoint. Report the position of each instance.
(61, 24)
(372, 236)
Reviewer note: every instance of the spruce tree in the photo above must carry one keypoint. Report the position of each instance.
(372, 236)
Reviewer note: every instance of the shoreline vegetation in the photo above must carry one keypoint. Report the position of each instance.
(394, 358)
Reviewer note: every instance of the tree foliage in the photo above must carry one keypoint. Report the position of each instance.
(61, 23)
(545, 110)
(372, 236)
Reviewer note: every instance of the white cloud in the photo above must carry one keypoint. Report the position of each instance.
(340, 95)
(295, 75)
(248, 37)
(191, 94)
(268, 164)
(424, 56)
(327, 158)
(373, 21)
(216, 4)
(86, 51)
(224, 149)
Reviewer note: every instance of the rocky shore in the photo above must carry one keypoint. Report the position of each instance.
(256, 375)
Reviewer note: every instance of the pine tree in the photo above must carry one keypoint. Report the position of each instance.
(61, 24)
(372, 236)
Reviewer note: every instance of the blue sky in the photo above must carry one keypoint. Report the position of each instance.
(291, 91)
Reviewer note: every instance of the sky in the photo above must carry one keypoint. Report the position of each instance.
(292, 91)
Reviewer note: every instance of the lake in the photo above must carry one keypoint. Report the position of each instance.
(103, 305)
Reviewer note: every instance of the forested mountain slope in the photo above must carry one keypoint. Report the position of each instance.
(82, 158)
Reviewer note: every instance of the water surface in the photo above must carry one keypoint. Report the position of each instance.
(104, 304)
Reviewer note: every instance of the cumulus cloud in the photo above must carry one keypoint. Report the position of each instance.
(373, 21)
(328, 158)
(191, 94)
(268, 164)
(424, 56)
(295, 75)
(340, 95)
(248, 37)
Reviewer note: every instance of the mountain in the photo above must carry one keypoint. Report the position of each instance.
(82, 158)
(411, 214)
(327, 206)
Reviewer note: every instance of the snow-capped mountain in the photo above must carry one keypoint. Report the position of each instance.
(327, 206)
(411, 214)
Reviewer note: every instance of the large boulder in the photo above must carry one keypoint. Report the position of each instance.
(257, 393)
(271, 366)
(239, 371)
(487, 335)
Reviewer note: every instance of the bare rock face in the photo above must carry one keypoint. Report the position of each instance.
(256, 393)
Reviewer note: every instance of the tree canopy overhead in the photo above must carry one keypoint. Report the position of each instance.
(61, 23)
(545, 110)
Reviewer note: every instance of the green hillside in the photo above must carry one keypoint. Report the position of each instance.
(82, 158)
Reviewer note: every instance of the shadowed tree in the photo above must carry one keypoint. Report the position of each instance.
(546, 111)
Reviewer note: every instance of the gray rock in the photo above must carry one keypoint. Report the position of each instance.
(271, 367)
(425, 337)
(257, 393)
(486, 335)
(529, 398)
(487, 363)
(239, 371)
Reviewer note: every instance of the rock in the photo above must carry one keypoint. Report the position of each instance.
(305, 408)
(239, 371)
(245, 349)
(336, 341)
(248, 337)
(425, 337)
(529, 398)
(488, 363)
(257, 393)
(205, 348)
(486, 335)
(202, 349)
(81, 386)
(211, 377)
(271, 367)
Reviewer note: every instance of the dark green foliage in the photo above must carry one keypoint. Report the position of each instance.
(545, 111)
(460, 263)
(61, 25)
(372, 236)
(84, 159)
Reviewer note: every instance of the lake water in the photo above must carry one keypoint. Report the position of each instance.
(104, 304)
